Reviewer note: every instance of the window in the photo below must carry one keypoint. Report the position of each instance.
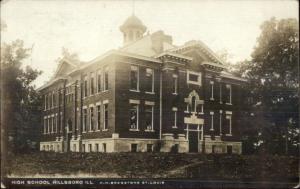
(85, 87)
(51, 124)
(229, 123)
(98, 117)
(104, 147)
(54, 124)
(61, 122)
(53, 98)
(149, 147)
(149, 117)
(194, 78)
(174, 109)
(134, 108)
(45, 125)
(105, 117)
(133, 147)
(92, 84)
(91, 118)
(46, 100)
(134, 78)
(200, 108)
(83, 147)
(49, 101)
(175, 83)
(228, 94)
(211, 90)
(193, 104)
(84, 124)
(99, 81)
(74, 147)
(105, 78)
(221, 122)
(149, 80)
(48, 125)
(213, 149)
(96, 147)
(211, 121)
(90, 148)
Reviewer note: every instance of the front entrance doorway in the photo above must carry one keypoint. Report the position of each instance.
(193, 141)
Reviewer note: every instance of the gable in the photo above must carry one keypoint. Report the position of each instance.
(64, 67)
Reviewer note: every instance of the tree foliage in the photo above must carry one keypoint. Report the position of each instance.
(273, 87)
(20, 100)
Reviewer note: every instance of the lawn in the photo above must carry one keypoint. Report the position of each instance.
(155, 165)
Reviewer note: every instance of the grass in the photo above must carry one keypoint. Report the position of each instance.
(156, 165)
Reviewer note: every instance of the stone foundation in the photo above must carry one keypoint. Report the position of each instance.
(168, 144)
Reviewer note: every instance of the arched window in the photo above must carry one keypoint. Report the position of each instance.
(193, 104)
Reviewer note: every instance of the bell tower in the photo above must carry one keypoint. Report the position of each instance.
(132, 29)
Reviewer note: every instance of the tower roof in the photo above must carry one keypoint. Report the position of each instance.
(133, 22)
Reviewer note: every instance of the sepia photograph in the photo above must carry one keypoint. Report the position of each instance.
(149, 94)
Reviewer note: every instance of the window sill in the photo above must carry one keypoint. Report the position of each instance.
(228, 103)
(174, 93)
(83, 131)
(104, 129)
(98, 130)
(134, 130)
(132, 90)
(149, 130)
(186, 112)
(174, 127)
(228, 134)
(201, 113)
(211, 130)
(150, 92)
(212, 99)
(104, 91)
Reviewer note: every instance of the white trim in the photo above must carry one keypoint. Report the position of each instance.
(131, 101)
(91, 105)
(228, 112)
(199, 82)
(174, 109)
(150, 103)
(105, 101)
(98, 103)
(212, 121)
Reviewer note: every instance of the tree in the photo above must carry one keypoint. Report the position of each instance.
(20, 102)
(274, 84)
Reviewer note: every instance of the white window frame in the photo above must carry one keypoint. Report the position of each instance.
(199, 82)
(105, 104)
(175, 83)
(92, 85)
(98, 107)
(137, 104)
(91, 119)
(46, 101)
(174, 109)
(135, 68)
(152, 116)
(45, 124)
(84, 123)
(228, 86)
(99, 72)
(221, 112)
(152, 80)
(85, 86)
(212, 121)
(229, 117)
(212, 90)
(106, 71)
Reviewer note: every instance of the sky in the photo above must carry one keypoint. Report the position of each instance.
(91, 28)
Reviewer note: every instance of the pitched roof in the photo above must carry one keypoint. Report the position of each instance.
(145, 46)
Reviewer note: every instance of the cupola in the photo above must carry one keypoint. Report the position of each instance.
(132, 29)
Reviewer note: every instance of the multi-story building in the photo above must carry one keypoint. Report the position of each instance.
(149, 95)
